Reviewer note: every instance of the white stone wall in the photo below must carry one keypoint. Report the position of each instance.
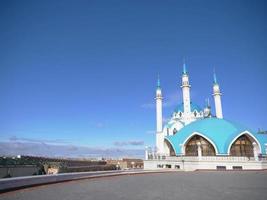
(204, 164)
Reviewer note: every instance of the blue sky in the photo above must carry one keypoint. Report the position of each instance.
(83, 73)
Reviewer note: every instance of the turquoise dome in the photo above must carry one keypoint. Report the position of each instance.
(180, 107)
(219, 132)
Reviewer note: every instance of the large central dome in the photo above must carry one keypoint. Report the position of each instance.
(219, 131)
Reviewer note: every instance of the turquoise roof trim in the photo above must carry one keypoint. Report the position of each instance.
(180, 107)
(262, 138)
(220, 132)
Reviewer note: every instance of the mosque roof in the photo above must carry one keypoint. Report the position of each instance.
(194, 106)
(220, 132)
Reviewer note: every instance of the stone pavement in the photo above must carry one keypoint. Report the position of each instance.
(198, 185)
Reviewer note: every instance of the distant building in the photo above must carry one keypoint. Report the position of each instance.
(195, 139)
(127, 163)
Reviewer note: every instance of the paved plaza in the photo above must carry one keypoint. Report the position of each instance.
(164, 186)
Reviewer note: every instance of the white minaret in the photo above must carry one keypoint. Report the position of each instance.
(186, 94)
(159, 133)
(217, 98)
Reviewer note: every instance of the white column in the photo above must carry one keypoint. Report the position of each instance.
(146, 153)
(199, 152)
(159, 133)
(186, 96)
(265, 148)
(217, 100)
(159, 110)
(186, 93)
(256, 157)
(182, 148)
(154, 155)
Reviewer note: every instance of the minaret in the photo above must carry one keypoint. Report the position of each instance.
(159, 133)
(186, 93)
(217, 97)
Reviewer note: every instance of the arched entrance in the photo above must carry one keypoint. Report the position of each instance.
(169, 148)
(242, 147)
(191, 148)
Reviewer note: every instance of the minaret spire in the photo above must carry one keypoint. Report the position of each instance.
(158, 82)
(214, 77)
(217, 97)
(207, 102)
(186, 95)
(184, 68)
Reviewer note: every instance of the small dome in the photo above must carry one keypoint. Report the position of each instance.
(207, 112)
(180, 107)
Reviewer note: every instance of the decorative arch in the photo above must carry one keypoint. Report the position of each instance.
(170, 147)
(250, 139)
(201, 135)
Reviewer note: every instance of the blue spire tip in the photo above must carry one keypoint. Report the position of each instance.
(214, 78)
(207, 102)
(158, 83)
(184, 69)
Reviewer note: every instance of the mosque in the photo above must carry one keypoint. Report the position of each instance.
(194, 138)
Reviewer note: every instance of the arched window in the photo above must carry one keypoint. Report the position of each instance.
(191, 148)
(242, 147)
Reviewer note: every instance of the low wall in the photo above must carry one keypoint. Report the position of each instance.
(23, 182)
(15, 171)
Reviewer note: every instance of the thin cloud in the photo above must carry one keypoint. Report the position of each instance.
(127, 143)
(42, 141)
(150, 131)
(136, 143)
(12, 148)
(117, 143)
(72, 148)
